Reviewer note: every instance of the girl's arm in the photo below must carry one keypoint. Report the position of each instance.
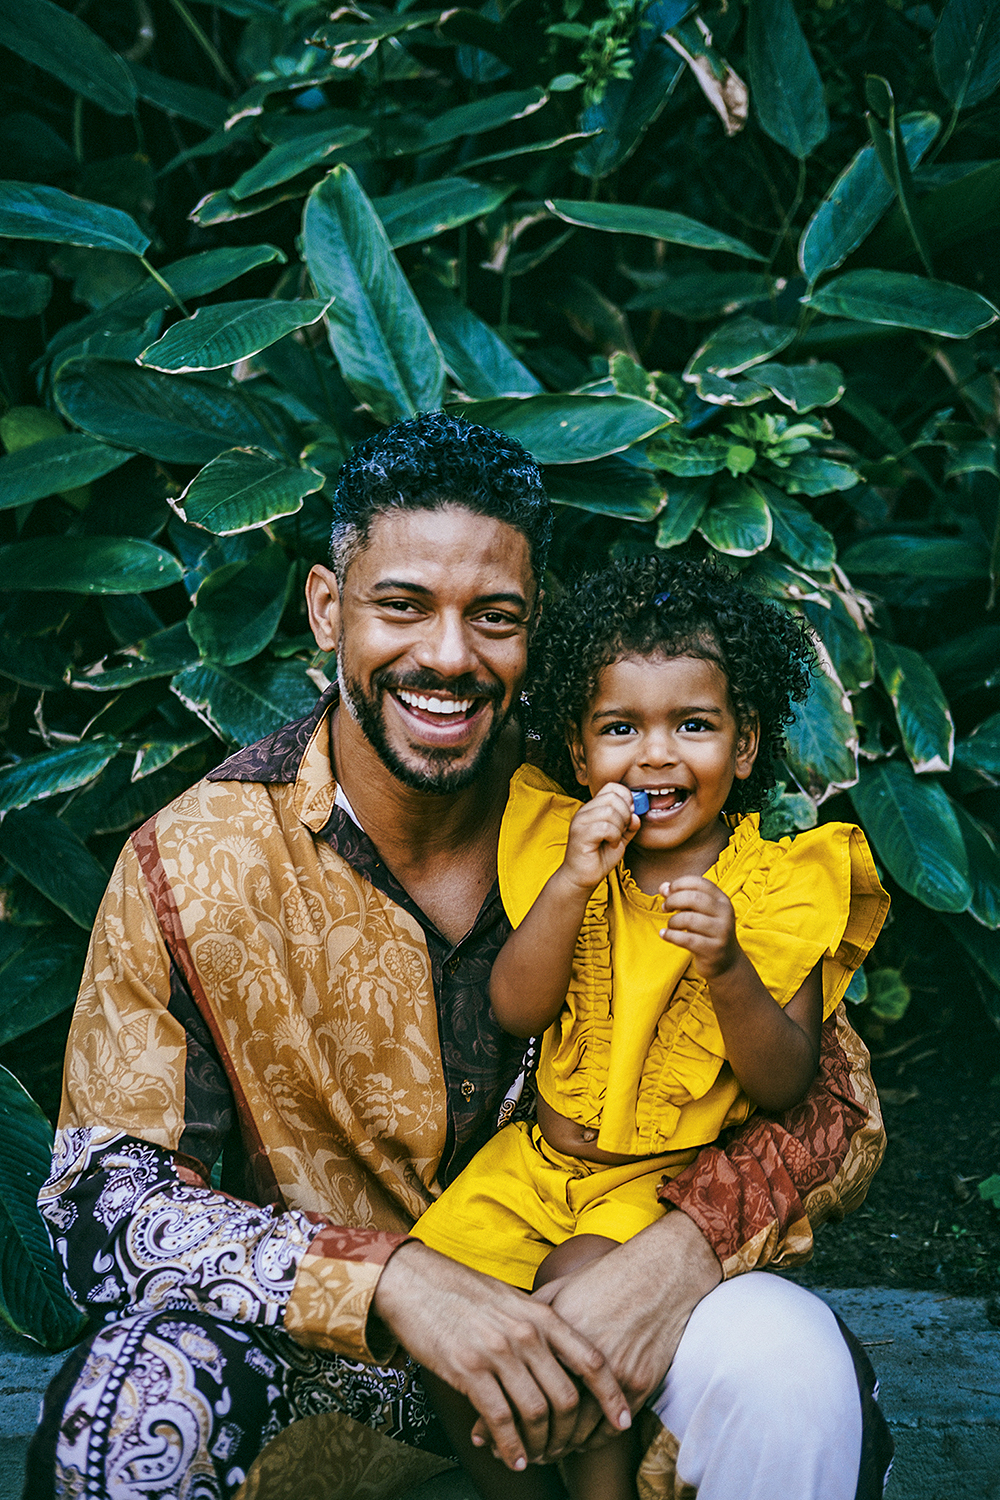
(774, 1052)
(532, 972)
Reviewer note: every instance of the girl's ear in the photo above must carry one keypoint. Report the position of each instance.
(746, 748)
(575, 746)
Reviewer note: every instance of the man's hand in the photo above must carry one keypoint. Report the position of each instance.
(703, 921)
(513, 1357)
(633, 1304)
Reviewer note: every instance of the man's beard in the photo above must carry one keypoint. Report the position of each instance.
(438, 774)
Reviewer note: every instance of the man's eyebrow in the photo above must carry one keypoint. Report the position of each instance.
(408, 586)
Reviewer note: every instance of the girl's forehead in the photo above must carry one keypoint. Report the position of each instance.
(663, 675)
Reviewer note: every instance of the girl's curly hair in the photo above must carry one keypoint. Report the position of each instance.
(669, 607)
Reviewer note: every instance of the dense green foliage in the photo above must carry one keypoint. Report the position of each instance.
(730, 273)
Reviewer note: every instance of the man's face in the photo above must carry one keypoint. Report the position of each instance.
(431, 633)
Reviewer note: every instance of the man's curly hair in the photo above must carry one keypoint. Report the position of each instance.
(435, 460)
(669, 607)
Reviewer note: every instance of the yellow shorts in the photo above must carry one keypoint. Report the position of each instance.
(518, 1198)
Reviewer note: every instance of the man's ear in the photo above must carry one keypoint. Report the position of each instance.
(574, 744)
(746, 748)
(323, 601)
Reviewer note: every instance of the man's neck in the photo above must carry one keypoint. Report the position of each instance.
(441, 847)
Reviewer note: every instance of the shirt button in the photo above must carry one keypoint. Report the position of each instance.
(468, 1089)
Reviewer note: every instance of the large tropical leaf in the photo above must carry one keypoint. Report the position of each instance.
(29, 211)
(631, 105)
(570, 429)
(785, 86)
(474, 353)
(651, 223)
(488, 113)
(58, 42)
(177, 419)
(913, 827)
(243, 489)
(801, 538)
(738, 345)
(802, 387)
(87, 565)
(822, 742)
(238, 607)
(858, 199)
(53, 465)
(967, 51)
(930, 556)
(738, 521)
(429, 208)
(215, 337)
(53, 771)
(980, 751)
(24, 294)
(383, 343)
(685, 506)
(49, 855)
(903, 300)
(243, 703)
(291, 157)
(33, 1299)
(39, 977)
(922, 713)
(984, 869)
(607, 487)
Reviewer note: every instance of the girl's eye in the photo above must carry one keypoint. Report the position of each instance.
(617, 729)
(695, 724)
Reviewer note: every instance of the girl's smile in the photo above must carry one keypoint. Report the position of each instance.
(665, 726)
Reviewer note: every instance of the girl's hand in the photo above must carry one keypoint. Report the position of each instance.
(702, 921)
(599, 836)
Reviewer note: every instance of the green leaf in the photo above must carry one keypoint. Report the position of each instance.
(569, 429)
(87, 565)
(903, 300)
(699, 294)
(913, 556)
(175, 97)
(606, 487)
(58, 42)
(630, 105)
(984, 869)
(217, 336)
(737, 345)
(689, 458)
(160, 655)
(888, 995)
(984, 950)
(44, 775)
(348, 33)
(925, 724)
(24, 294)
(801, 538)
(382, 340)
(29, 211)
(292, 157)
(822, 742)
(968, 661)
(652, 223)
(916, 834)
(178, 420)
(475, 355)
(35, 661)
(785, 85)
(33, 1299)
(802, 387)
(242, 704)
(521, 162)
(479, 116)
(980, 751)
(429, 208)
(53, 465)
(811, 474)
(738, 521)
(152, 755)
(243, 489)
(967, 51)
(686, 502)
(858, 199)
(843, 631)
(238, 607)
(38, 980)
(51, 857)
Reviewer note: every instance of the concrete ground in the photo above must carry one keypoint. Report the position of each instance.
(938, 1360)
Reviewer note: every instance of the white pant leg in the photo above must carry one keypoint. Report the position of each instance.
(762, 1396)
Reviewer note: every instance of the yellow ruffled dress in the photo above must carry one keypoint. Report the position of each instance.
(636, 1051)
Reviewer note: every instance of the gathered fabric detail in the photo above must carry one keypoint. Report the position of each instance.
(637, 1051)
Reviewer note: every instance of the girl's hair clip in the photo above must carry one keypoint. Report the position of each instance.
(663, 598)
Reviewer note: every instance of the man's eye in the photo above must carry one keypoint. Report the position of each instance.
(496, 617)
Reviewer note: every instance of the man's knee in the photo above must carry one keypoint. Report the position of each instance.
(153, 1401)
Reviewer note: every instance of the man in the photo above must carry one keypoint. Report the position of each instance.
(290, 969)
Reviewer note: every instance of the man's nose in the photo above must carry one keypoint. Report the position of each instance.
(445, 645)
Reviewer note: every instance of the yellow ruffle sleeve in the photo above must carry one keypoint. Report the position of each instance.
(637, 1052)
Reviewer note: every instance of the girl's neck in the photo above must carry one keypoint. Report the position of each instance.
(650, 868)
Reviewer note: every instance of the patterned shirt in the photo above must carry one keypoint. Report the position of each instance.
(260, 990)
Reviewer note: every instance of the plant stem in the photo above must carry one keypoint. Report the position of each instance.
(206, 44)
(165, 285)
(78, 127)
(800, 189)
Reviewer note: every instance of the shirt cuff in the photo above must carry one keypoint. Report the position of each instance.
(330, 1304)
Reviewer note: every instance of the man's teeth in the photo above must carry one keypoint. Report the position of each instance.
(436, 705)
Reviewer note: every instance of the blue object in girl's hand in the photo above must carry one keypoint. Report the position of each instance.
(640, 803)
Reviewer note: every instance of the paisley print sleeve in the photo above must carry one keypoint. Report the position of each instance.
(759, 1192)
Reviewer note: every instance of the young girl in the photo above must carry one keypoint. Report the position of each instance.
(679, 965)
